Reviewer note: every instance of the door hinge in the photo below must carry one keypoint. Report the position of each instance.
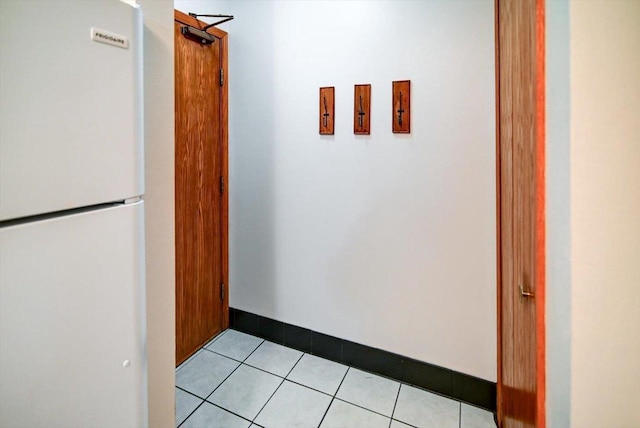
(222, 291)
(221, 77)
(221, 184)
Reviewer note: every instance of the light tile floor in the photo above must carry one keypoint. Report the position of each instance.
(238, 380)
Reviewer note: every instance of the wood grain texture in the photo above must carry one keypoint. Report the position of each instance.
(326, 110)
(401, 114)
(362, 109)
(200, 161)
(519, 229)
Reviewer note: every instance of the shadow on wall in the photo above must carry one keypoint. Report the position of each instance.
(252, 197)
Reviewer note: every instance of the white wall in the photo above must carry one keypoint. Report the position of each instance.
(558, 204)
(593, 211)
(605, 213)
(386, 240)
(159, 202)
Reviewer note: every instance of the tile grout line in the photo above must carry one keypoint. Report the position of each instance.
(228, 411)
(254, 350)
(326, 411)
(234, 370)
(333, 398)
(263, 370)
(364, 408)
(334, 395)
(274, 392)
(188, 360)
(271, 373)
(306, 340)
(229, 375)
(342, 381)
(267, 402)
(194, 410)
(234, 359)
(308, 387)
(267, 372)
(190, 414)
(225, 379)
(275, 374)
(294, 366)
(439, 394)
(189, 392)
(208, 402)
(222, 355)
(220, 384)
(283, 379)
(404, 423)
(203, 347)
(393, 412)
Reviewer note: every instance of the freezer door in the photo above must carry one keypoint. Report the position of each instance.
(71, 105)
(72, 321)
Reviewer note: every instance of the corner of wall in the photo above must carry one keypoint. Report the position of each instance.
(605, 231)
(159, 201)
(558, 310)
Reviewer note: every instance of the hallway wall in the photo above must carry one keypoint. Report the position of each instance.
(605, 213)
(386, 240)
(558, 207)
(159, 209)
(593, 152)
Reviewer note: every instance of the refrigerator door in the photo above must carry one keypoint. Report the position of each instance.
(72, 324)
(70, 109)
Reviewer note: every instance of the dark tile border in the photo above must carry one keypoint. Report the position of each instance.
(297, 337)
(326, 346)
(244, 321)
(460, 386)
(271, 330)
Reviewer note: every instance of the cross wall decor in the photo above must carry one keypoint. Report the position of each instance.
(401, 109)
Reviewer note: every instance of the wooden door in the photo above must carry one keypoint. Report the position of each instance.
(201, 203)
(520, 70)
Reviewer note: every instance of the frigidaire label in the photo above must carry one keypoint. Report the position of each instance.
(109, 38)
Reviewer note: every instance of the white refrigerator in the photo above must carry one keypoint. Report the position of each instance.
(72, 281)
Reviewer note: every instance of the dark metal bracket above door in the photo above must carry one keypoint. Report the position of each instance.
(197, 35)
(200, 34)
(226, 18)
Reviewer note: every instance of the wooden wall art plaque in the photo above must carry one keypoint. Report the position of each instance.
(326, 112)
(401, 107)
(362, 109)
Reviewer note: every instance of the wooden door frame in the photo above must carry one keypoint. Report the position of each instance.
(183, 18)
(539, 219)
